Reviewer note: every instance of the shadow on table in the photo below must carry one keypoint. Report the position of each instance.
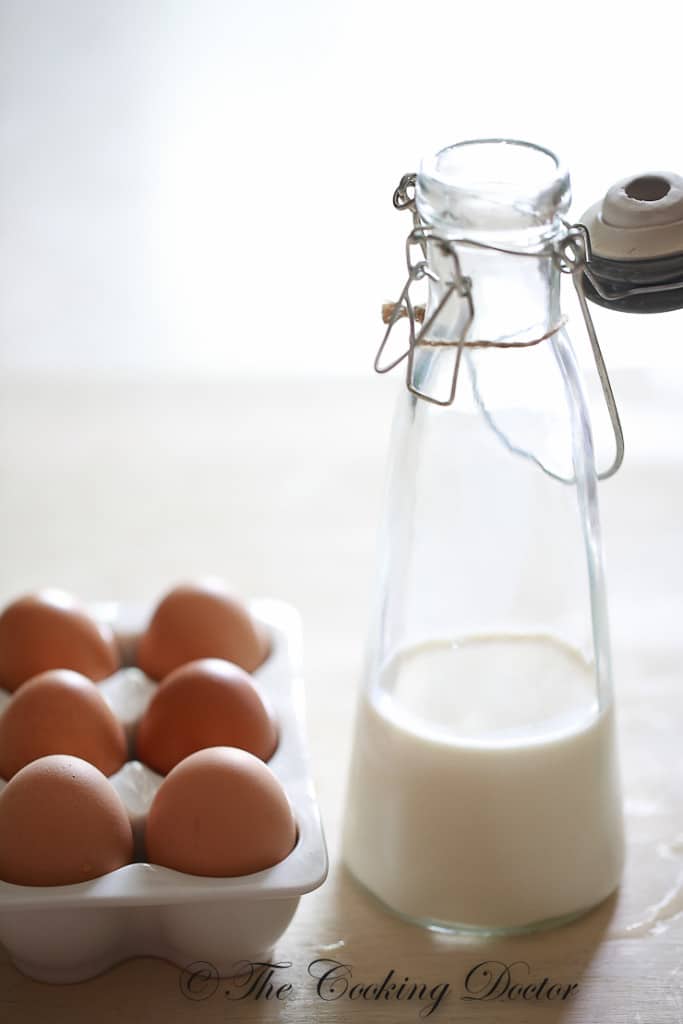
(147, 989)
(540, 972)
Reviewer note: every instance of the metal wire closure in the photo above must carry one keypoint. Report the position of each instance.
(404, 306)
(627, 293)
(570, 254)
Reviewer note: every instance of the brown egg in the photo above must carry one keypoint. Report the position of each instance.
(200, 620)
(51, 629)
(206, 703)
(60, 712)
(61, 821)
(221, 812)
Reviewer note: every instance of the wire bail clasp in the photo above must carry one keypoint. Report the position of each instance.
(457, 284)
(404, 307)
(572, 253)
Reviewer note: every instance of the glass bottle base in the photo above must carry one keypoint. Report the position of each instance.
(459, 929)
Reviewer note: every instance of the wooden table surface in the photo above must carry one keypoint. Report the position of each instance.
(118, 487)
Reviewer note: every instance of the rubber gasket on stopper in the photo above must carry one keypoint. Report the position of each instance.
(636, 234)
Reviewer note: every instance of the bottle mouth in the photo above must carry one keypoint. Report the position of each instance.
(493, 184)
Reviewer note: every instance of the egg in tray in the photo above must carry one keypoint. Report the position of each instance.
(154, 775)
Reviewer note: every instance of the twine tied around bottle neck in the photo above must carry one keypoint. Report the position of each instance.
(390, 314)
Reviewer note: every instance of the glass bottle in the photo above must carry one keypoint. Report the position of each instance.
(484, 787)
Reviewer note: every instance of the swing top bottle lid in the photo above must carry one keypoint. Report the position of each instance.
(636, 242)
(639, 218)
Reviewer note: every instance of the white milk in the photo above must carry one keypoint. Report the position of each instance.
(484, 789)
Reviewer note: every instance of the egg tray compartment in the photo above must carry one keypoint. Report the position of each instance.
(68, 933)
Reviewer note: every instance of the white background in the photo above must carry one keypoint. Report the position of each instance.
(207, 186)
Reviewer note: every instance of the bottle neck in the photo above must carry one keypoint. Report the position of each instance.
(515, 298)
(502, 195)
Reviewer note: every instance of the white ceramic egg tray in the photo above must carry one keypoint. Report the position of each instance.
(68, 933)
